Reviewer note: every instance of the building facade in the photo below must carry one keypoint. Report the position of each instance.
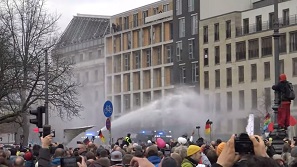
(139, 56)
(186, 52)
(237, 66)
(82, 43)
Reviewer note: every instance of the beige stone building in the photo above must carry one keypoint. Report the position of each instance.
(138, 56)
(237, 63)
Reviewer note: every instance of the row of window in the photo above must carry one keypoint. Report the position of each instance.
(179, 6)
(182, 25)
(87, 77)
(253, 49)
(257, 101)
(241, 74)
(217, 31)
(194, 73)
(191, 49)
(86, 57)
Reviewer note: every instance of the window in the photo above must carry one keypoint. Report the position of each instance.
(293, 41)
(206, 80)
(169, 53)
(194, 24)
(135, 20)
(283, 43)
(178, 50)
(246, 26)
(253, 72)
(240, 74)
(230, 125)
(229, 76)
(218, 101)
(86, 77)
(267, 98)
(137, 99)
(91, 56)
(195, 72)
(267, 70)
(271, 20)
(127, 102)
(254, 99)
(205, 34)
(137, 60)
(217, 55)
(266, 46)
(229, 101)
(182, 29)
(281, 67)
(217, 32)
(190, 5)
(99, 53)
(156, 10)
(259, 23)
(159, 56)
(286, 17)
(129, 40)
(96, 77)
(191, 47)
(144, 15)
(294, 66)
(183, 74)
(148, 58)
(217, 78)
(178, 7)
(205, 57)
(126, 22)
(253, 48)
(165, 7)
(241, 99)
(128, 82)
(228, 53)
(127, 62)
(81, 57)
(240, 51)
(228, 29)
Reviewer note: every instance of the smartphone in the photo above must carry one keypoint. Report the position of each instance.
(46, 130)
(167, 153)
(69, 162)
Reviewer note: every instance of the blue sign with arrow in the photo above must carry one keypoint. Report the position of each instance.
(107, 109)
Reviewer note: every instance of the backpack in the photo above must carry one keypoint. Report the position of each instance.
(289, 91)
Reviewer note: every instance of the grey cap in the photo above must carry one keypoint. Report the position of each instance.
(116, 156)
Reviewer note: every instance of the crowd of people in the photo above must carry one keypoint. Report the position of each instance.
(182, 153)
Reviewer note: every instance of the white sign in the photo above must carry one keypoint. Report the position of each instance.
(250, 125)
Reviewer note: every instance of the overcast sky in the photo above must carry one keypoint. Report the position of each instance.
(70, 8)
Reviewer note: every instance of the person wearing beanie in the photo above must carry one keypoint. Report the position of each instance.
(220, 148)
(193, 156)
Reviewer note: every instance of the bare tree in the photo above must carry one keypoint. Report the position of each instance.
(32, 30)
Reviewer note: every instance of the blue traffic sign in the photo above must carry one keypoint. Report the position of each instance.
(108, 124)
(107, 109)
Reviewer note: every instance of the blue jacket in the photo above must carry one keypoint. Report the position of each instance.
(154, 160)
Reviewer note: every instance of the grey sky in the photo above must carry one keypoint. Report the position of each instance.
(69, 8)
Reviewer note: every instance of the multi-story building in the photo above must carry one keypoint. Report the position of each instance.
(237, 66)
(185, 37)
(139, 56)
(82, 43)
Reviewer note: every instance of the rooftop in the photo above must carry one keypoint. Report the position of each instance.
(84, 28)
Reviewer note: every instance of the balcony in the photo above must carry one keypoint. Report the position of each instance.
(267, 25)
(159, 16)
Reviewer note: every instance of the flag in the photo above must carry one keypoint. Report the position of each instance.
(207, 127)
(86, 141)
(102, 138)
(267, 121)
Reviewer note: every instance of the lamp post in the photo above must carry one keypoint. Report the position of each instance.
(276, 61)
(46, 87)
(198, 128)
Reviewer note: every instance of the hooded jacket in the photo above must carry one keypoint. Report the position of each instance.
(280, 87)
